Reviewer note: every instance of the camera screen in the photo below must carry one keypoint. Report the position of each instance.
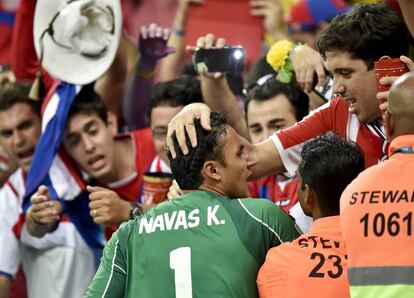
(228, 59)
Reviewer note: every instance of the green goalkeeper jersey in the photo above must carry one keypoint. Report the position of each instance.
(199, 245)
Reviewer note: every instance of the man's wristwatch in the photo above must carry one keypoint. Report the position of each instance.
(135, 211)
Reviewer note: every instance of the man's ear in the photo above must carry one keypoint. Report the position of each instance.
(310, 199)
(112, 123)
(211, 170)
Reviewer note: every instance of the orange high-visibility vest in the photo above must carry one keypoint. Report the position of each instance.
(377, 220)
(314, 265)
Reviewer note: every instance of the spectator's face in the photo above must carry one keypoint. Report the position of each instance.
(234, 174)
(19, 133)
(266, 117)
(160, 117)
(354, 82)
(89, 141)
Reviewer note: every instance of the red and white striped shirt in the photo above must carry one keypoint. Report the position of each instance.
(332, 116)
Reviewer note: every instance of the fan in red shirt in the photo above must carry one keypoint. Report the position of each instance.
(376, 31)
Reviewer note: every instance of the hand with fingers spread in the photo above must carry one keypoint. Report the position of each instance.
(184, 122)
(174, 191)
(306, 62)
(153, 43)
(44, 212)
(388, 81)
(107, 207)
(272, 13)
(152, 47)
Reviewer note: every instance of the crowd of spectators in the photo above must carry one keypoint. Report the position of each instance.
(126, 171)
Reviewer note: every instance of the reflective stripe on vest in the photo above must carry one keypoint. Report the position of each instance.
(387, 275)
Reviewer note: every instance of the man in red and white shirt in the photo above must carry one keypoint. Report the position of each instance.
(376, 31)
(113, 165)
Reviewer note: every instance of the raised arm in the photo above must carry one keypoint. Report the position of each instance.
(268, 161)
(24, 60)
(111, 85)
(216, 91)
(152, 47)
(170, 66)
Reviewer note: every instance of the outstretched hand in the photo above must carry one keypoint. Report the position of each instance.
(153, 42)
(44, 211)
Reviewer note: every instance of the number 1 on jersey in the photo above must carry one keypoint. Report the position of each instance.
(180, 262)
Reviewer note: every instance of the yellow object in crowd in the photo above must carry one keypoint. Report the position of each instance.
(279, 53)
(278, 59)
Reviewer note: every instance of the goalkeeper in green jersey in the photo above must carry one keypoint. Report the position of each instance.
(210, 242)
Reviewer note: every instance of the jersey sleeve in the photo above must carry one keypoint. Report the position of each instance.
(289, 142)
(110, 279)
(283, 225)
(10, 252)
(277, 226)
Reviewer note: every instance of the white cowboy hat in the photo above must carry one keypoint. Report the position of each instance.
(76, 40)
